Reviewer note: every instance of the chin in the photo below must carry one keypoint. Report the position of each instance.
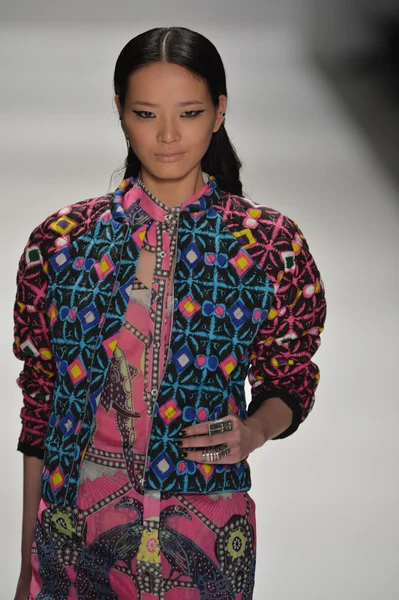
(174, 169)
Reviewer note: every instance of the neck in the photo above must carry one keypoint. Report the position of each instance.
(173, 192)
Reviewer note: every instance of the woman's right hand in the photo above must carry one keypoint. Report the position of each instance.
(23, 587)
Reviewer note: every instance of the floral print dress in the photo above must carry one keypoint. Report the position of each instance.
(121, 541)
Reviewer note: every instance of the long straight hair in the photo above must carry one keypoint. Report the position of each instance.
(189, 49)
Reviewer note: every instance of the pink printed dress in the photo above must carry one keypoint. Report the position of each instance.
(120, 541)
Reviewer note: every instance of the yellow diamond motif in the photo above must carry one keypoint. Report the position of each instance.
(170, 412)
(63, 225)
(247, 233)
(76, 371)
(242, 262)
(104, 266)
(189, 306)
(56, 479)
(229, 367)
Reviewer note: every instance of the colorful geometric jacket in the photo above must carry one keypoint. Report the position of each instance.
(259, 310)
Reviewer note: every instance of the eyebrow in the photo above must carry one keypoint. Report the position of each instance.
(185, 103)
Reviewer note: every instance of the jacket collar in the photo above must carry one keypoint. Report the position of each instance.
(132, 191)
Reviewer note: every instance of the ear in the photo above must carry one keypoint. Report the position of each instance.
(116, 98)
(221, 108)
(222, 103)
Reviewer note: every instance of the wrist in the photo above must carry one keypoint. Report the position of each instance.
(258, 435)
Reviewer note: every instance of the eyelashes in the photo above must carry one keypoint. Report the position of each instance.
(193, 113)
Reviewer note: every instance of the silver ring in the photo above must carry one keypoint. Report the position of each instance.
(220, 426)
(216, 453)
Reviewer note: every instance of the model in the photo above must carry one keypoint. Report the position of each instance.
(139, 315)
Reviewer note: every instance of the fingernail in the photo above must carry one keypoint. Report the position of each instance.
(182, 433)
(179, 443)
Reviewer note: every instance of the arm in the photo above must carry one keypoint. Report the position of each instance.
(282, 376)
(32, 346)
(272, 418)
(36, 380)
(32, 470)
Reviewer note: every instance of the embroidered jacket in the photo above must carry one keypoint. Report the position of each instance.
(248, 301)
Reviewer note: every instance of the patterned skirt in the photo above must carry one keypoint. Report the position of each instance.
(123, 544)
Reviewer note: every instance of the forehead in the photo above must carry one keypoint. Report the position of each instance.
(161, 82)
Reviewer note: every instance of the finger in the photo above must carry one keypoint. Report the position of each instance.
(199, 429)
(202, 441)
(203, 428)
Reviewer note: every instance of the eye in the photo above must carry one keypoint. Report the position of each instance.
(142, 114)
(194, 113)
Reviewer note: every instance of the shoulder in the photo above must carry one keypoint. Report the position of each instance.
(275, 242)
(67, 223)
(260, 225)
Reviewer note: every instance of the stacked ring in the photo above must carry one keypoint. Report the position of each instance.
(216, 453)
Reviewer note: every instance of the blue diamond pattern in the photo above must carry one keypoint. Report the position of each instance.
(238, 313)
(163, 466)
(89, 317)
(61, 260)
(67, 424)
(183, 358)
(192, 255)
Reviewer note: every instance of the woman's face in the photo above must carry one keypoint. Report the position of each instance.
(168, 111)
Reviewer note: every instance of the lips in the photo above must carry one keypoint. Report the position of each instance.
(169, 158)
(171, 154)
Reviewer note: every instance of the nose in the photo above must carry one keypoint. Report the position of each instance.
(168, 132)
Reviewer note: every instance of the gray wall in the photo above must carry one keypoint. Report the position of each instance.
(336, 29)
(253, 13)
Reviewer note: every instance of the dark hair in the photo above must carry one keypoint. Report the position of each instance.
(195, 52)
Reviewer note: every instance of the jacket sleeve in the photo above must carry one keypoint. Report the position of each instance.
(281, 360)
(32, 345)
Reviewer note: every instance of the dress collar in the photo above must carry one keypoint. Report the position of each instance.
(132, 191)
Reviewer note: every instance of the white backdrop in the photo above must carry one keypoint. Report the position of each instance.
(326, 497)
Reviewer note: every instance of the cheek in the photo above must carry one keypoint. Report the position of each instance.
(140, 138)
(199, 140)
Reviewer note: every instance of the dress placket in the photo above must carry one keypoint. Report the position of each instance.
(157, 245)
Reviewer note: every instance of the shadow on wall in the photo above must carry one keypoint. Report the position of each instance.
(356, 47)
